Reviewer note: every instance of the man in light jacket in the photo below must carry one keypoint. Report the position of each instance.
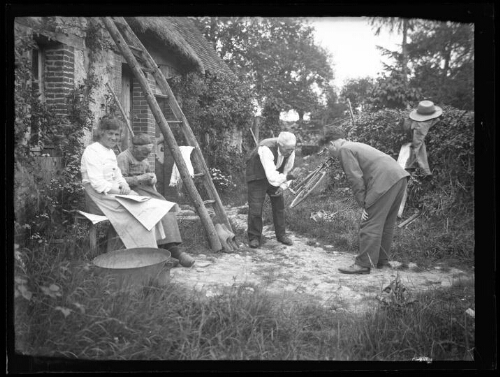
(268, 172)
(378, 184)
(417, 125)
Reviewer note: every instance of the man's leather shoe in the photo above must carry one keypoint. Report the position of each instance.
(285, 240)
(355, 269)
(254, 243)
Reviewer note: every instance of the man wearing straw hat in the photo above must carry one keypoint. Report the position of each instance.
(134, 166)
(268, 172)
(420, 121)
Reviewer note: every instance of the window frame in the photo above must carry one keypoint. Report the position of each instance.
(38, 72)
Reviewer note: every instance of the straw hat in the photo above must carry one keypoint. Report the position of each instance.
(425, 111)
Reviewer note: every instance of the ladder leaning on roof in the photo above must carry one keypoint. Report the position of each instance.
(132, 48)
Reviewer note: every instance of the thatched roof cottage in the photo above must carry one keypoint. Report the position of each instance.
(68, 49)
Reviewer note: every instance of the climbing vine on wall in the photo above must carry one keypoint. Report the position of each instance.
(37, 125)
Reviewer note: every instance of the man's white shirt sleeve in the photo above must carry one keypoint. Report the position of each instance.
(274, 177)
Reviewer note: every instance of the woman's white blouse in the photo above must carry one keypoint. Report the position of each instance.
(100, 168)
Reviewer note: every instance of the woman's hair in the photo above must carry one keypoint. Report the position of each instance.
(109, 123)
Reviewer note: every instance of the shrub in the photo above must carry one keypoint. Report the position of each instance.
(450, 149)
(218, 108)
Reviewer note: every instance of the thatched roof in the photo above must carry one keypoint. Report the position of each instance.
(179, 34)
(182, 36)
(211, 61)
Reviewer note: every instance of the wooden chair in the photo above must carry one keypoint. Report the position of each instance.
(92, 220)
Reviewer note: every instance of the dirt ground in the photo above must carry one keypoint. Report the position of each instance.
(303, 272)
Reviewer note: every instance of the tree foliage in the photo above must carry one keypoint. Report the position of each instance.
(332, 111)
(391, 91)
(216, 107)
(402, 26)
(358, 92)
(436, 61)
(443, 56)
(276, 55)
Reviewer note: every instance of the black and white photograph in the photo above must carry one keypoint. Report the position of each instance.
(250, 186)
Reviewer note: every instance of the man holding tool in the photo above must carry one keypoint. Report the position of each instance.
(268, 172)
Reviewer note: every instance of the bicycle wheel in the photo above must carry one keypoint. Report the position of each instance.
(299, 186)
(307, 189)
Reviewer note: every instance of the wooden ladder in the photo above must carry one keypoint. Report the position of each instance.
(132, 49)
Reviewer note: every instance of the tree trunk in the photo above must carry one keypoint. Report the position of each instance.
(446, 69)
(256, 128)
(404, 58)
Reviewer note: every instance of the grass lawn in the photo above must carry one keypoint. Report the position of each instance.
(62, 309)
(425, 241)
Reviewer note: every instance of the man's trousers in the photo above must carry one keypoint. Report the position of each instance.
(257, 191)
(376, 233)
(418, 154)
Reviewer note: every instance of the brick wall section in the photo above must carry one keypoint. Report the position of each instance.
(59, 76)
(143, 120)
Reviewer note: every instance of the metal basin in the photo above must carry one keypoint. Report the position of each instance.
(134, 268)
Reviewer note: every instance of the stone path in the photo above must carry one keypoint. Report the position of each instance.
(305, 272)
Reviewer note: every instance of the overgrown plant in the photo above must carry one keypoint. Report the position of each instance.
(450, 150)
(39, 204)
(35, 125)
(217, 108)
(80, 119)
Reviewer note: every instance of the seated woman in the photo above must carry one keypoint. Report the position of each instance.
(135, 168)
(102, 180)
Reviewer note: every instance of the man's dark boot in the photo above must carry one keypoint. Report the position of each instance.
(254, 243)
(172, 262)
(285, 240)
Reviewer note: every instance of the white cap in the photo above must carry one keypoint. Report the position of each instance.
(287, 139)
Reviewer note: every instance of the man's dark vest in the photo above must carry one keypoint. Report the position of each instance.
(255, 170)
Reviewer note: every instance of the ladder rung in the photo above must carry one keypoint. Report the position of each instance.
(135, 48)
(137, 53)
(146, 62)
(160, 95)
(199, 175)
